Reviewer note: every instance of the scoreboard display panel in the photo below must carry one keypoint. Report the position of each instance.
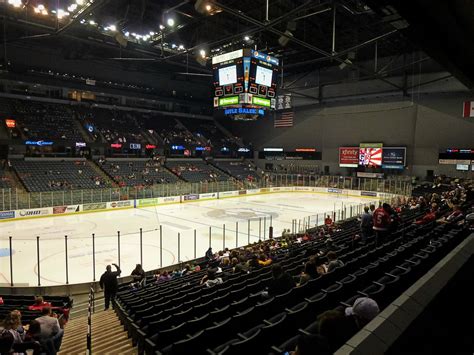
(245, 78)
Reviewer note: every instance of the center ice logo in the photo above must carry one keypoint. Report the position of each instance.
(240, 213)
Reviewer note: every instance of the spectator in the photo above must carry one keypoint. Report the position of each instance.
(39, 304)
(14, 335)
(211, 279)
(328, 220)
(334, 262)
(366, 225)
(335, 328)
(50, 329)
(282, 281)
(381, 222)
(364, 310)
(310, 272)
(209, 254)
(138, 275)
(372, 209)
(108, 282)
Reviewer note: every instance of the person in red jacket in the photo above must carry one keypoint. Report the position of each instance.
(381, 222)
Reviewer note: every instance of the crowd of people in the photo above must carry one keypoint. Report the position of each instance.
(42, 335)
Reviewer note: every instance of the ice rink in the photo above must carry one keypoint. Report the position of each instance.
(245, 218)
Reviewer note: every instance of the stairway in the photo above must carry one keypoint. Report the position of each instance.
(108, 336)
(102, 174)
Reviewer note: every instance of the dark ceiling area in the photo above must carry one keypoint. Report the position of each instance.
(165, 36)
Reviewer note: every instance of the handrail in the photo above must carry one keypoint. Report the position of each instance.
(90, 310)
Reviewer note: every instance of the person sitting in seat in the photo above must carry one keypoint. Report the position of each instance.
(211, 279)
(334, 262)
(363, 311)
(50, 329)
(39, 304)
(138, 275)
(282, 281)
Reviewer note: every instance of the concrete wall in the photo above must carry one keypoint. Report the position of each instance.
(426, 125)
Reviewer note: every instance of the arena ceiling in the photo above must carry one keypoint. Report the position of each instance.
(164, 35)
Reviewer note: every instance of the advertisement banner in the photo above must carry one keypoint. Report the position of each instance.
(191, 197)
(228, 193)
(94, 206)
(147, 202)
(7, 214)
(253, 191)
(334, 191)
(208, 195)
(119, 204)
(301, 188)
(368, 193)
(169, 199)
(265, 190)
(33, 212)
(66, 209)
(362, 174)
(242, 192)
(348, 157)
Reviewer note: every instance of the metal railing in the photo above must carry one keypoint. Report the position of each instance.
(90, 310)
(14, 199)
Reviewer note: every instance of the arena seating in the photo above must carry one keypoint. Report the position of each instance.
(137, 172)
(45, 175)
(45, 121)
(118, 126)
(196, 171)
(181, 317)
(170, 131)
(4, 181)
(242, 170)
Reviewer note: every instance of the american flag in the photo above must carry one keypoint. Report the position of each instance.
(284, 119)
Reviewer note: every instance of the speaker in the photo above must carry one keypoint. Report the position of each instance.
(283, 40)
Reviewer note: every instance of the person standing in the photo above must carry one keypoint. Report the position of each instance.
(381, 220)
(366, 224)
(108, 282)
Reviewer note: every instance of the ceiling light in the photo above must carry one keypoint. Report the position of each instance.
(127, 34)
(62, 13)
(72, 7)
(170, 22)
(181, 47)
(202, 53)
(15, 3)
(92, 22)
(37, 10)
(44, 12)
(152, 33)
(208, 7)
(112, 28)
(162, 27)
(247, 38)
(80, 2)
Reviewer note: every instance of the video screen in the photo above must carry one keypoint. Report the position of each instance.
(370, 157)
(263, 76)
(228, 75)
(393, 158)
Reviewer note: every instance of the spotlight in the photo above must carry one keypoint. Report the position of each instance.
(162, 27)
(92, 22)
(170, 22)
(72, 7)
(80, 2)
(202, 53)
(112, 28)
(208, 7)
(246, 38)
(180, 47)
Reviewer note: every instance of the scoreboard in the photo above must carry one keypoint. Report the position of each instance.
(245, 80)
